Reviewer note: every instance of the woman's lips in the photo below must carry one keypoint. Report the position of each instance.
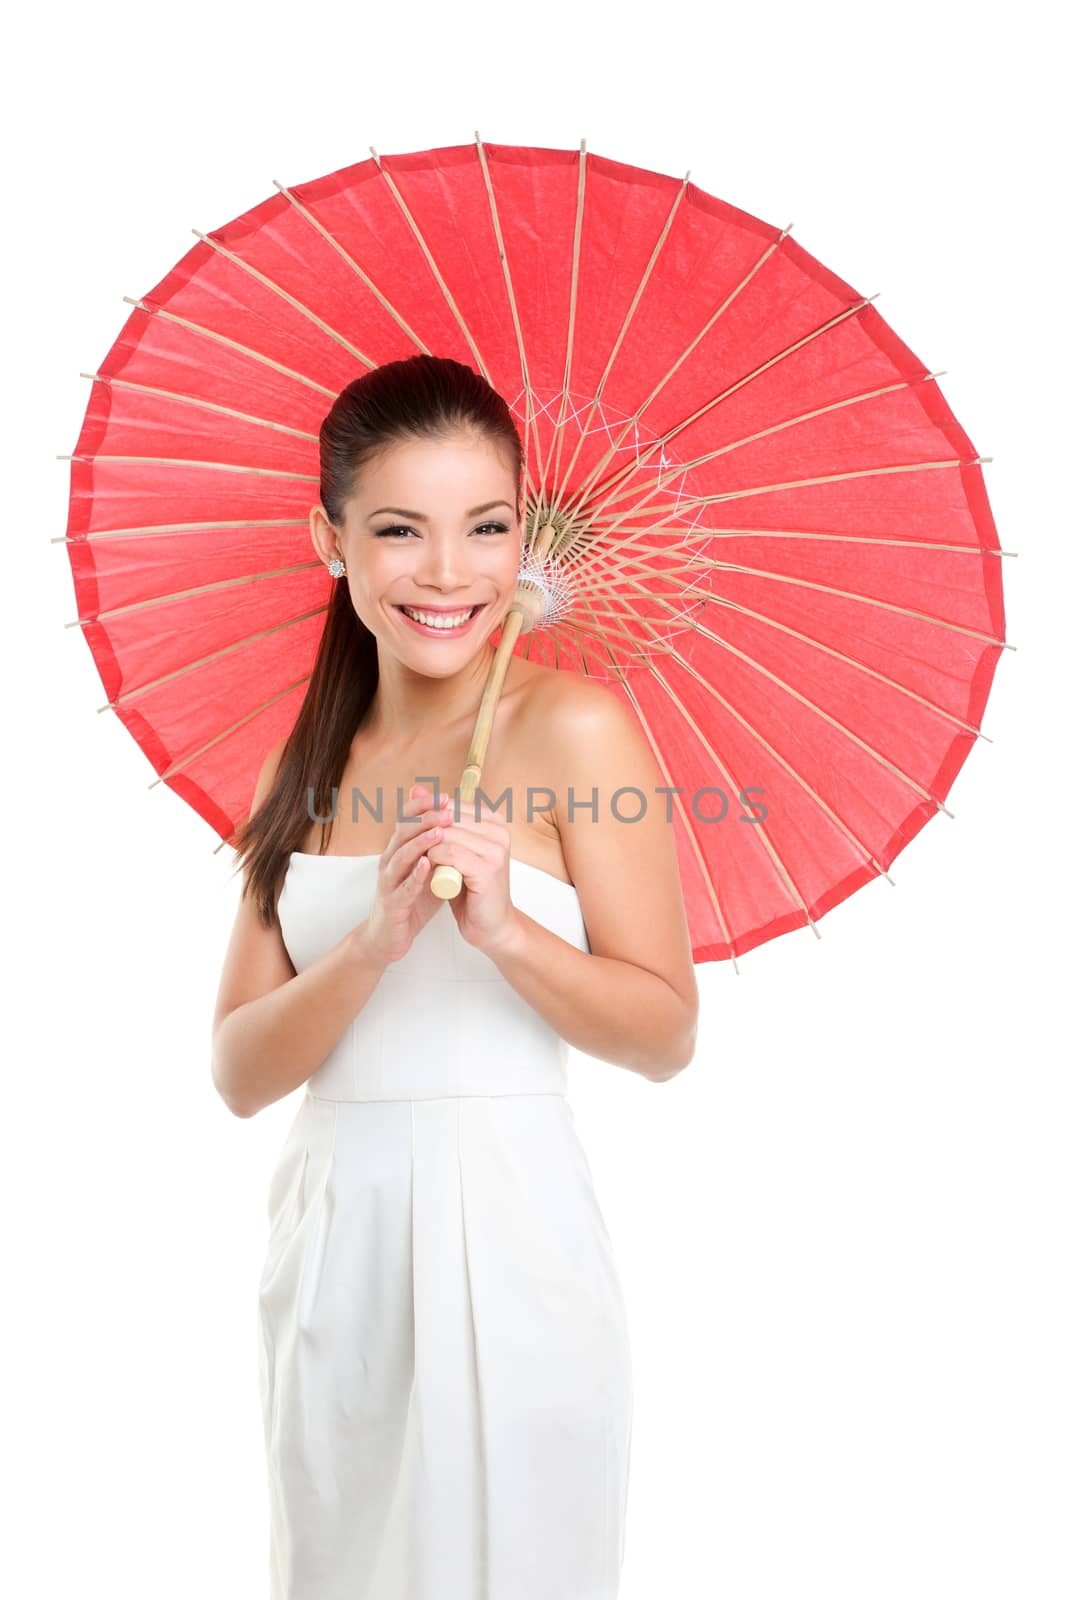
(442, 633)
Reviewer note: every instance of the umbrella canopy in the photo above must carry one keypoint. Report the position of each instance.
(778, 546)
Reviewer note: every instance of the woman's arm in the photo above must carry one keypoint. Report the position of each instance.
(265, 1047)
(273, 1027)
(633, 1000)
(614, 1010)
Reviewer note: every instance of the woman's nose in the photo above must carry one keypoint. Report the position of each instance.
(445, 566)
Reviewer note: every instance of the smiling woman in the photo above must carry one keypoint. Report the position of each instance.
(445, 1361)
(426, 574)
(451, 576)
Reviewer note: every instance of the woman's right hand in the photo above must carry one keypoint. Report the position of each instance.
(403, 901)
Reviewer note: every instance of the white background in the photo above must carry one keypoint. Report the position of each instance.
(840, 1231)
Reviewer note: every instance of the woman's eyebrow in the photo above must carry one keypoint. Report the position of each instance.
(421, 516)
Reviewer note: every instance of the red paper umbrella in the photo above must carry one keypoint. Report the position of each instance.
(775, 537)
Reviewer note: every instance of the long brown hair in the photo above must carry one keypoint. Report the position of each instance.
(419, 397)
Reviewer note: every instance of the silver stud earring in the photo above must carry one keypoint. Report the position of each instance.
(336, 567)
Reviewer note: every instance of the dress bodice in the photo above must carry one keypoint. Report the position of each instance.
(442, 1020)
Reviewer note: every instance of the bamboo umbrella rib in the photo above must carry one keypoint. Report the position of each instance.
(866, 600)
(556, 441)
(187, 594)
(595, 631)
(552, 642)
(509, 287)
(595, 604)
(233, 836)
(432, 264)
(841, 594)
(801, 483)
(618, 479)
(290, 299)
(615, 482)
(599, 632)
(862, 850)
(667, 575)
(610, 668)
(711, 598)
(710, 534)
(642, 627)
(517, 330)
(788, 422)
(157, 529)
(674, 367)
(763, 433)
(680, 593)
(583, 661)
(561, 485)
(179, 766)
(648, 557)
(825, 715)
(576, 650)
(603, 629)
(202, 405)
(665, 771)
(383, 299)
(231, 344)
(762, 833)
(214, 655)
(715, 638)
(182, 461)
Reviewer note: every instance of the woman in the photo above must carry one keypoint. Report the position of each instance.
(444, 1355)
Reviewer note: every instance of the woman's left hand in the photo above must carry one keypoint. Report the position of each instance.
(480, 847)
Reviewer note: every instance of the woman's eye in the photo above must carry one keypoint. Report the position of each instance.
(398, 529)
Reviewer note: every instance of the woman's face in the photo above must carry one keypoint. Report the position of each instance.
(433, 529)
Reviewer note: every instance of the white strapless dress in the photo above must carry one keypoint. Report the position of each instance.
(444, 1355)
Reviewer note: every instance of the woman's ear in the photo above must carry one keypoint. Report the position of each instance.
(324, 536)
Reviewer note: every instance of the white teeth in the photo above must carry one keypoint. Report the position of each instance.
(431, 620)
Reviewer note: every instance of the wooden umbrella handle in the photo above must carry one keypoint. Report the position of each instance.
(446, 881)
(527, 609)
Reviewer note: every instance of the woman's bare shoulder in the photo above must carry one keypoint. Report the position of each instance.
(552, 687)
(587, 733)
(559, 709)
(575, 707)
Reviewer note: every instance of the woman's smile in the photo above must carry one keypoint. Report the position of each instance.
(439, 621)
